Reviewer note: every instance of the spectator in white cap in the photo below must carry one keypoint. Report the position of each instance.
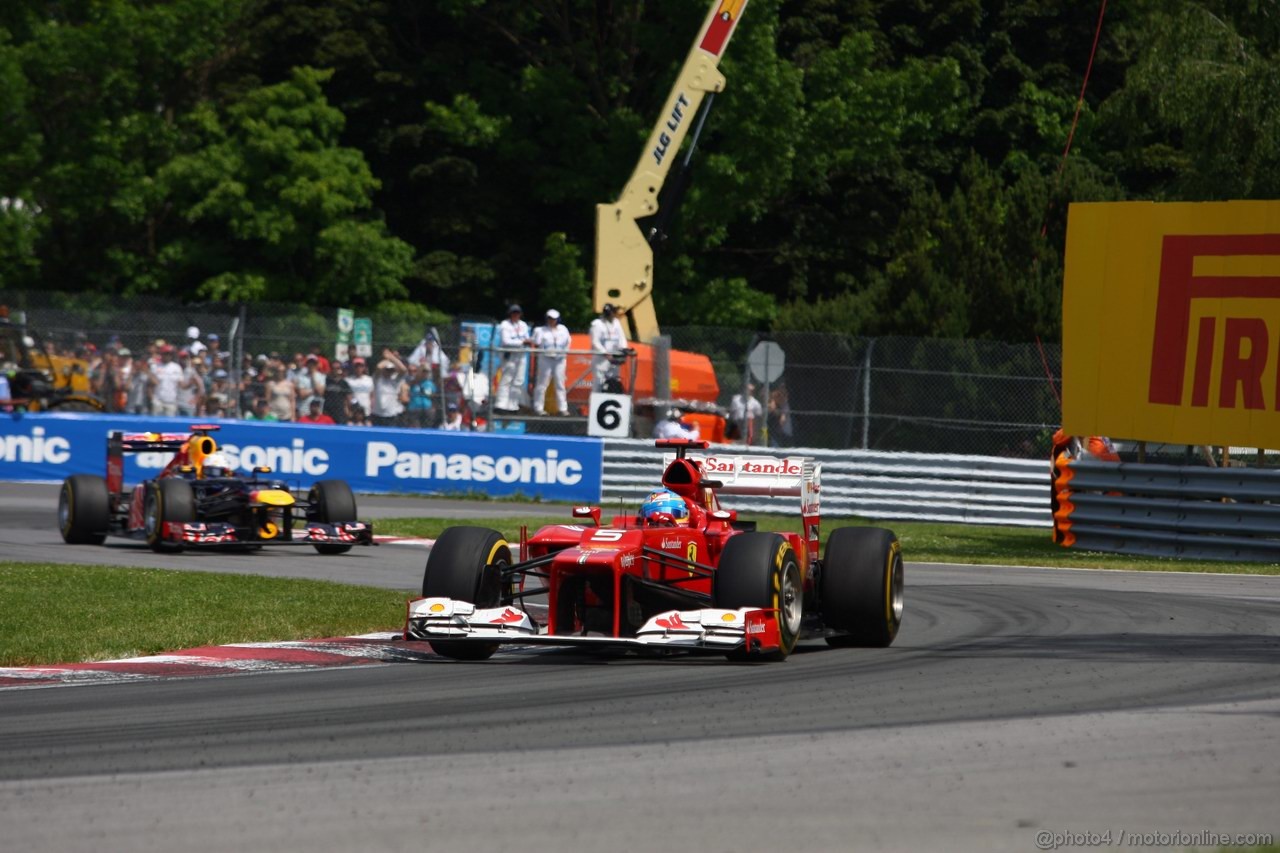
(194, 345)
(552, 343)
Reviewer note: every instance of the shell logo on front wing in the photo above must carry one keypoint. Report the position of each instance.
(506, 617)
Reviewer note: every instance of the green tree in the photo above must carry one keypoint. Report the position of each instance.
(874, 166)
(564, 283)
(1199, 115)
(277, 210)
(20, 222)
(93, 91)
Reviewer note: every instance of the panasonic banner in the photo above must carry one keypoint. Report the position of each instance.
(49, 447)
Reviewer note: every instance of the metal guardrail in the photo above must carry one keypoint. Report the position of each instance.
(1172, 510)
(870, 484)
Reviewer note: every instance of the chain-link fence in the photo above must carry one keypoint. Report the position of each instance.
(834, 391)
(908, 394)
(67, 320)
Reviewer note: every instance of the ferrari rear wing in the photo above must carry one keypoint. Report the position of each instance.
(762, 475)
(749, 474)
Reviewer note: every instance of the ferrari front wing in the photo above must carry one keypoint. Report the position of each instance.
(710, 630)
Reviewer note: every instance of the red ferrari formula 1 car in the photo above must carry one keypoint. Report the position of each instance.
(198, 500)
(683, 574)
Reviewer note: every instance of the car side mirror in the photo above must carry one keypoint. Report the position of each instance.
(591, 512)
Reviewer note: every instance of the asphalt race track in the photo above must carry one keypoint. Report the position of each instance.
(1015, 702)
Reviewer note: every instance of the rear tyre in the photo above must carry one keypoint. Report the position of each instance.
(84, 510)
(761, 570)
(466, 564)
(861, 586)
(331, 502)
(167, 500)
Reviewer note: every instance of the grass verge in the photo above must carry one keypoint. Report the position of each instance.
(56, 613)
(922, 542)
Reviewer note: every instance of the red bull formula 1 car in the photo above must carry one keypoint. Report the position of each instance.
(198, 500)
(683, 574)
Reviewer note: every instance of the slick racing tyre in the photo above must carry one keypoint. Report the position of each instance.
(761, 570)
(167, 500)
(466, 565)
(861, 586)
(331, 502)
(84, 510)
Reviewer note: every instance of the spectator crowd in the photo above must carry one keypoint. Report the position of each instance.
(422, 389)
(197, 378)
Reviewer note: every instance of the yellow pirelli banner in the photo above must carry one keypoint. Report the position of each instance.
(1171, 322)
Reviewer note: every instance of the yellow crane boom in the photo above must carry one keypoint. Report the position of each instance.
(624, 257)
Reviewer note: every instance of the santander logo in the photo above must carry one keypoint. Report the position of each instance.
(753, 465)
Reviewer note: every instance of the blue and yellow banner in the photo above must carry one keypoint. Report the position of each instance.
(49, 447)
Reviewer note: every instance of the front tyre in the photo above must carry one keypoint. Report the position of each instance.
(861, 586)
(466, 564)
(167, 500)
(84, 510)
(760, 570)
(332, 502)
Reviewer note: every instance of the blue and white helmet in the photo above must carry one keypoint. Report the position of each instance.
(664, 504)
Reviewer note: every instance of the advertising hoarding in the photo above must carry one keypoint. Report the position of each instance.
(1171, 322)
(49, 447)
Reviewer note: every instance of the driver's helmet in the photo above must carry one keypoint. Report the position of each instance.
(216, 464)
(662, 506)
